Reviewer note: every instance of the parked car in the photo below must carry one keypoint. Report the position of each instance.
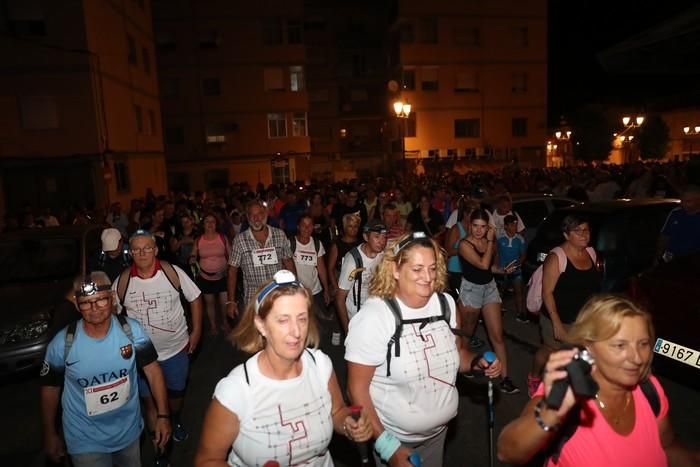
(37, 268)
(666, 291)
(623, 232)
(533, 208)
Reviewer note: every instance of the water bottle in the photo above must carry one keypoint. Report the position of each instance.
(414, 459)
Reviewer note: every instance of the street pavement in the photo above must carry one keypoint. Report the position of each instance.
(467, 440)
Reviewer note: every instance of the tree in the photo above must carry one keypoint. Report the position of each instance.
(653, 138)
(592, 134)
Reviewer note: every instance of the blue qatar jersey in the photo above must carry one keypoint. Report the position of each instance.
(101, 409)
(510, 249)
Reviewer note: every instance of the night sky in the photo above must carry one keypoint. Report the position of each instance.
(580, 29)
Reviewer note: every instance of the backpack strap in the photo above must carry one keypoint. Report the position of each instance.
(357, 289)
(171, 274)
(68, 341)
(561, 256)
(652, 395)
(126, 327)
(123, 286)
(444, 308)
(395, 339)
(317, 245)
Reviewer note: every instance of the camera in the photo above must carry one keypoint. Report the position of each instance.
(578, 377)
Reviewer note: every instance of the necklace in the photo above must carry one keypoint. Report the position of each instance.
(615, 418)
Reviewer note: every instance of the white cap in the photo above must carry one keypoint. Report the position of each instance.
(110, 239)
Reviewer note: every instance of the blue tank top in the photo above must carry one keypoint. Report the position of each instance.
(453, 263)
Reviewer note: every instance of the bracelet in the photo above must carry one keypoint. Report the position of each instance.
(229, 302)
(386, 445)
(163, 415)
(538, 418)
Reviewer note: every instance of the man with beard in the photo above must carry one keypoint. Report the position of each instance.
(259, 252)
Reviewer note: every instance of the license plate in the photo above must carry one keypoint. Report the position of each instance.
(678, 352)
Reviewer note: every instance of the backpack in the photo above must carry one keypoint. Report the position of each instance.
(445, 314)
(573, 420)
(357, 287)
(293, 244)
(168, 270)
(71, 328)
(534, 285)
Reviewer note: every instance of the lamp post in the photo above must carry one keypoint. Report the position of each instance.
(626, 135)
(403, 111)
(693, 132)
(564, 138)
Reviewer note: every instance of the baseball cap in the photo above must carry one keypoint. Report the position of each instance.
(110, 239)
(374, 225)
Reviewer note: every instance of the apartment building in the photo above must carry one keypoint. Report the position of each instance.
(233, 89)
(475, 75)
(79, 99)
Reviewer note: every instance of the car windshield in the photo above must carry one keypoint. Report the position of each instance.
(30, 260)
(603, 236)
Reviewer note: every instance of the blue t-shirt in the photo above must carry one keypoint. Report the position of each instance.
(101, 410)
(510, 249)
(683, 232)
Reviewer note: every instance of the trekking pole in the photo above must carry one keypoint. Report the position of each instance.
(490, 357)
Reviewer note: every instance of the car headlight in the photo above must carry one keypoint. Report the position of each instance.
(26, 330)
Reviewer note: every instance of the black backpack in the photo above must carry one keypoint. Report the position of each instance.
(357, 287)
(445, 314)
(293, 244)
(573, 420)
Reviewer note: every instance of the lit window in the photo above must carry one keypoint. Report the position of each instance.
(276, 125)
(299, 124)
(296, 78)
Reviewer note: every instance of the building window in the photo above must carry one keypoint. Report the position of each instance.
(139, 118)
(452, 153)
(276, 125)
(152, 122)
(468, 36)
(132, 49)
(408, 79)
(429, 78)
(146, 60)
(294, 32)
(467, 128)
(429, 31)
(274, 79)
(272, 31)
(121, 175)
(407, 33)
(466, 81)
(216, 132)
(26, 17)
(38, 113)
(299, 124)
(209, 40)
(519, 127)
(211, 86)
(296, 78)
(519, 82)
(170, 88)
(411, 125)
(359, 95)
(175, 135)
(165, 42)
(359, 65)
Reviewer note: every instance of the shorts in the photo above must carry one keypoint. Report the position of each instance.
(211, 287)
(547, 332)
(478, 295)
(175, 371)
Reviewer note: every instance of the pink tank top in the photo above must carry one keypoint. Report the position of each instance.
(212, 258)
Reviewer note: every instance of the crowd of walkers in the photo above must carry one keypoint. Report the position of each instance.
(400, 273)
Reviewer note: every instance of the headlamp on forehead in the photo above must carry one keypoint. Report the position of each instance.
(415, 236)
(281, 278)
(88, 288)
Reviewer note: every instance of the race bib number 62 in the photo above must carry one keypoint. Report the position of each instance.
(107, 397)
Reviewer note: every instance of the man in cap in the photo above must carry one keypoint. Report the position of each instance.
(359, 265)
(95, 360)
(112, 259)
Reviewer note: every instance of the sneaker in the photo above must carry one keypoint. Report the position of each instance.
(522, 318)
(533, 382)
(475, 342)
(508, 387)
(180, 433)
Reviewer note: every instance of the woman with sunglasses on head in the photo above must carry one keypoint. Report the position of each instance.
(478, 292)
(284, 402)
(569, 278)
(409, 394)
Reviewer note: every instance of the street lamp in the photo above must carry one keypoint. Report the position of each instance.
(403, 111)
(694, 132)
(631, 124)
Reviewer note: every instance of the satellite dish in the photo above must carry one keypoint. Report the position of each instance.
(393, 86)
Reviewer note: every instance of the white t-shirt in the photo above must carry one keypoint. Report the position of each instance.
(306, 261)
(496, 220)
(156, 305)
(420, 397)
(452, 220)
(345, 282)
(284, 420)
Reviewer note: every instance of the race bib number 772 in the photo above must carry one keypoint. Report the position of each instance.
(264, 257)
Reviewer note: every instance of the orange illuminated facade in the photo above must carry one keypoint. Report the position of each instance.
(475, 75)
(80, 107)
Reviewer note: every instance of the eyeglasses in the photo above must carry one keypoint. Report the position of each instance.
(98, 302)
(581, 231)
(146, 249)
